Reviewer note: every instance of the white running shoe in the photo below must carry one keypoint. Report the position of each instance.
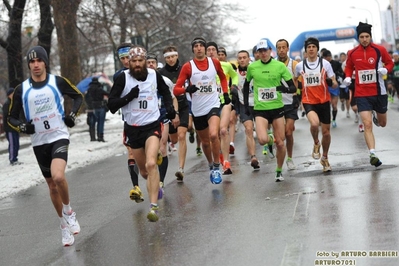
(357, 118)
(67, 237)
(290, 164)
(72, 222)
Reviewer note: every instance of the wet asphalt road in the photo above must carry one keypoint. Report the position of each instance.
(247, 220)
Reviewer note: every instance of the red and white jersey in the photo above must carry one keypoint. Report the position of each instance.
(366, 61)
(206, 97)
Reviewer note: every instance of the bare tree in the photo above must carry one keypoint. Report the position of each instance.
(13, 43)
(67, 36)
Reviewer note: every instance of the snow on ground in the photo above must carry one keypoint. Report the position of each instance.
(82, 152)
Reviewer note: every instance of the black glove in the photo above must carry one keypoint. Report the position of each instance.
(226, 97)
(329, 82)
(247, 110)
(70, 120)
(295, 101)
(170, 113)
(27, 128)
(133, 93)
(191, 89)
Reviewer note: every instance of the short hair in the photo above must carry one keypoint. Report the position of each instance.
(170, 48)
(283, 40)
(243, 51)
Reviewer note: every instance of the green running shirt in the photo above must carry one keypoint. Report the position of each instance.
(266, 77)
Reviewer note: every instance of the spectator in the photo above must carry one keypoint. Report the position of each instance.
(11, 134)
(99, 99)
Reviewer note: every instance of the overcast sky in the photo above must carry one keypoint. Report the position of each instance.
(286, 19)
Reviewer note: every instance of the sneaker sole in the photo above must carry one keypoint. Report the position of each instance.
(179, 177)
(376, 162)
(227, 171)
(136, 198)
(280, 179)
(152, 217)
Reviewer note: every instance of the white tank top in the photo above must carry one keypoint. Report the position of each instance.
(207, 97)
(142, 110)
(45, 107)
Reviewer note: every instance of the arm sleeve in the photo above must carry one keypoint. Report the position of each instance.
(114, 100)
(163, 89)
(67, 88)
(184, 75)
(246, 91)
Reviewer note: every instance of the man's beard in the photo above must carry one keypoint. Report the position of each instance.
(140, 75)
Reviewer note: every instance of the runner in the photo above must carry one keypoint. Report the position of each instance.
(266, 74)
(205, 104)
(317, 75)
(370, 62)
(135, 92)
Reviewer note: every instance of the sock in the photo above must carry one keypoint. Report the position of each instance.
(163, 168)
(289, 158)
(153, 205)
(63, 222)
(334, 114)
(232, 144)
(372, 151)
(66, 208)
(216, 166)
(324, 157)
(210, 166)
(279, 169)
(133, 172)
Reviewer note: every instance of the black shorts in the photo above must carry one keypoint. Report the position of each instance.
(290, 112)
(270, 115)
(378, 103)
(135, 137)
(201, 122)
(322, 110)
(47, 152)
(344, 93)
(183, 117)
(243, 116)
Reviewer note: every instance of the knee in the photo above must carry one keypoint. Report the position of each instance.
(223, 131)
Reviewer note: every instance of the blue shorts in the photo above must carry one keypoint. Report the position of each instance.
(333, 92)
(378, 103)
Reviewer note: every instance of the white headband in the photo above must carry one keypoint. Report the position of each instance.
(169, 54)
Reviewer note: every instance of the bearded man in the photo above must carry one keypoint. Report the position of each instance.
(135, 92)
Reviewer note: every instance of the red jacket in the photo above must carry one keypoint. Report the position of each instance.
(366, 61)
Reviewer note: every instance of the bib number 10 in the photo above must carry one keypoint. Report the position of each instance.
(143, 104)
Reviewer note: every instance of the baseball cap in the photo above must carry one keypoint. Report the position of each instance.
(262, 44)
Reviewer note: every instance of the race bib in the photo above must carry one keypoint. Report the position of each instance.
(46, 124)
(145, 103)
(367, 76)
(205, 88)
(312, 79)
(267, 94)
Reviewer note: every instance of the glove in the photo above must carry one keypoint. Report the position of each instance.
(382, 71)
(347, 81)
(191, 89)
(329, 82)
(247, 110)
(170, 113)
(133, 93)
(69, 120)
(226, 98)
(27, 128)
